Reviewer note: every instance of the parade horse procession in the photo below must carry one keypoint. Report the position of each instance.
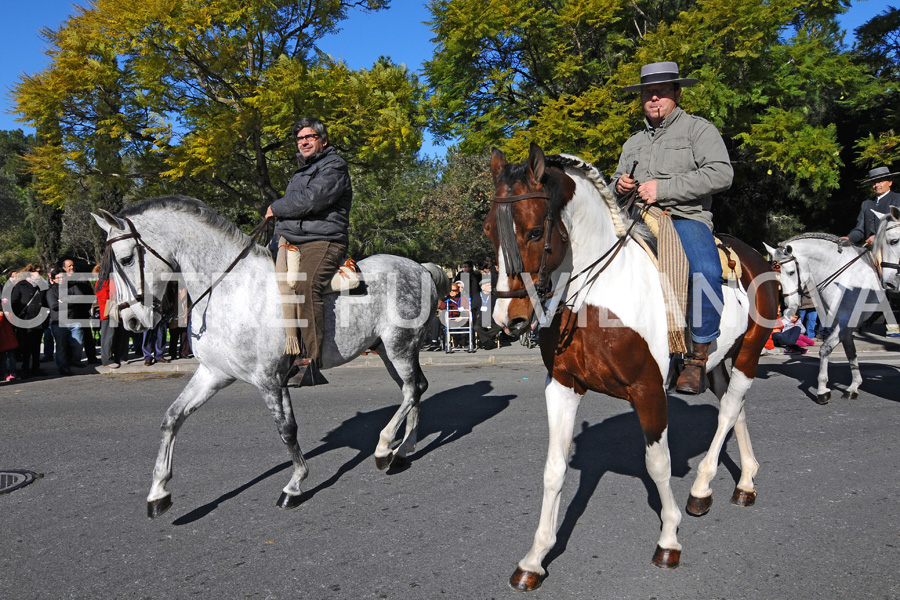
(847, 284)
(571, 260)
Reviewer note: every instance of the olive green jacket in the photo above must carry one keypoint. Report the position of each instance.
(687, 158)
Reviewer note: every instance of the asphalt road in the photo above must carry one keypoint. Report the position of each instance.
(456, 521)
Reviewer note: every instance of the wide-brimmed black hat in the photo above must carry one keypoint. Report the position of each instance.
(661, 72)
(878, 174)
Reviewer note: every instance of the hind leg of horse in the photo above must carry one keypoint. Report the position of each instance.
(279, 402)
(731, 415)
(852, 392)
(202, 386)
(410, 436)
(562, 408)
(403, 365)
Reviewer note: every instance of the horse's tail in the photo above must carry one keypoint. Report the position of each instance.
(441, 281)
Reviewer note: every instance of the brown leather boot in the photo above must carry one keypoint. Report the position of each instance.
(693, 379)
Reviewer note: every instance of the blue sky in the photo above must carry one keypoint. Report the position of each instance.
(399, 32)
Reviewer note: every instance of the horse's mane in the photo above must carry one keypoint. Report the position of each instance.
(815, 235)
(620, 220)
(196, 208)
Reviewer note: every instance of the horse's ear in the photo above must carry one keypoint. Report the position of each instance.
(536, 162)
(879, 216)
(108, 221)
(770, 250)
(895, 212)
(498, 161)
(788, 250)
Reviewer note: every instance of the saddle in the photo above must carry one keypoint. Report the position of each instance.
(672, 263)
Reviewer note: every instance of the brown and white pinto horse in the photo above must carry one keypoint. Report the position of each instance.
(554, 216)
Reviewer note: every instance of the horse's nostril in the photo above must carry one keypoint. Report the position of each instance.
(517, 325)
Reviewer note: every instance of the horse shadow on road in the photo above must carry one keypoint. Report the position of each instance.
(451, 414)
(879, 379)
(616, 445)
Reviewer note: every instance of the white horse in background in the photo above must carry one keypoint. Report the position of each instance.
(886, 248)
(236, 324)
(842, 279)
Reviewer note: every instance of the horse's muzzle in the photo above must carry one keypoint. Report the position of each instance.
(518, 326)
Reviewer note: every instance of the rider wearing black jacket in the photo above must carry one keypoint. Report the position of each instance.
(313, 233)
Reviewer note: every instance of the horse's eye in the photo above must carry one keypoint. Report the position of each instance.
(536, 233)
(127, 261)
(894, 241)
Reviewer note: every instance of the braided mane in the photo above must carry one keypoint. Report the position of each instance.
(621, 221)
(815, 235)
(590, 171)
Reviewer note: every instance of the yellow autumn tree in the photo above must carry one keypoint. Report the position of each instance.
(200, 95)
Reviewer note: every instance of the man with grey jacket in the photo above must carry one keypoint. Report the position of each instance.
(681, 162)
(313, 234)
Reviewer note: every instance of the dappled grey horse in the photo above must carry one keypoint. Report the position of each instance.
(844, 285)
(236, 324)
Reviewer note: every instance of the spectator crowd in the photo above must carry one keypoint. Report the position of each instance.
(63, 317)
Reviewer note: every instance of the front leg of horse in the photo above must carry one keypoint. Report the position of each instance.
(199, 389)
(562, 407)
(159, 500)
(659, 466)
(852, 392)
(823, 394)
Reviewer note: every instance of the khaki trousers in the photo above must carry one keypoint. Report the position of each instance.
(307, 268)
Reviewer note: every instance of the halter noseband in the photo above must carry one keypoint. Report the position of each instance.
(141, 245)
(510, 249)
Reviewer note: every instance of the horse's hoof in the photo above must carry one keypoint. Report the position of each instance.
(665, 558)
(399, 462)
(383, 462)
(849, 396)
(157, 507)
(743, 497)
(698, 506)
(288, 501)
(525, 581)
(824, 398)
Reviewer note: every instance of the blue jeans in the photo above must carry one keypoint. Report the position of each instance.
(154, 346)
(705, 288)
(77, 334)
(808, 319)
(62, 335)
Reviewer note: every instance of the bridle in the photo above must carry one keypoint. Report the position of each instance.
(885, 264)
(259, 233)
(142, 246)
(831, 278)
(778, 266)
(510, 249)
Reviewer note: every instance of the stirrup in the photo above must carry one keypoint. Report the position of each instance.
(304, 376)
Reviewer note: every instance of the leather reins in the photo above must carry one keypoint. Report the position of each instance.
(259, 233)
(831, 278)
(542, 288)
